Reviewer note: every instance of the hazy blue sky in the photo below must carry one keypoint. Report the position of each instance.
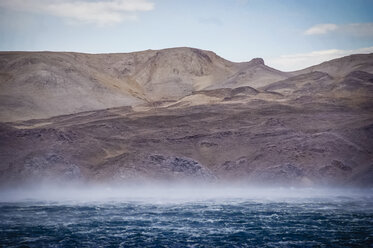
(288, 34)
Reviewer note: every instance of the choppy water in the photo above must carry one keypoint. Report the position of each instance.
(316, 221)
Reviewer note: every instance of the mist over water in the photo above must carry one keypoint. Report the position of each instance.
(169, 215)
(172, 192)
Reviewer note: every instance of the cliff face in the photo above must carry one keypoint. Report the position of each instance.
(184, 114)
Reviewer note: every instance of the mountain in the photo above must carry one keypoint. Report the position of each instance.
(37, 85)
(45, 84)
(342, 66)
(253, 73)
(183, 114)
(349, 78)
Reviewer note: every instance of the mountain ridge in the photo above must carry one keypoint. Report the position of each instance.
(46, 84)
(184, 114)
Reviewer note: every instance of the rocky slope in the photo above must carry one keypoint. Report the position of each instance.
(184, 115)
(45, 84)
(342, 66)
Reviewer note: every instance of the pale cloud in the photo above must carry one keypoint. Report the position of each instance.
(355, 29)
(302, 60)
(102, 12)
(321, 29)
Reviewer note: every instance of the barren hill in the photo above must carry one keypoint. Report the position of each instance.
(341, 67)
(44, 84)
(184, 114)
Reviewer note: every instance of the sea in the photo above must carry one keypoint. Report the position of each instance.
(169, 217)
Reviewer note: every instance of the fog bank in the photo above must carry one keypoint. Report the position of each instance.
(158, 193)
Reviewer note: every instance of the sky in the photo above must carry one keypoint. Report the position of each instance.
(288, 34)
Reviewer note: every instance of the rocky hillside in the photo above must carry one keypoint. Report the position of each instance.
(184, 114)
(342, 66)
(45, 84)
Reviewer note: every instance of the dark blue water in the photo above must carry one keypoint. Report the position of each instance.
(238, 222)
